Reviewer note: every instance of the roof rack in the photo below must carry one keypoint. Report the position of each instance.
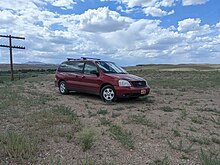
(72, 59)
(84, 58)
(89, 58)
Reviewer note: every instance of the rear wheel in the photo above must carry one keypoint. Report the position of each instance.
(108, 93)
(62, 88)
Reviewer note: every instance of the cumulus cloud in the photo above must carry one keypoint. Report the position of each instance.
(193, 2)
(7, 17)
(150, 7)
(156, 12)
(189, 24)
(65, 4)
(126, 10)
(102, 20)
(155, 8)
(141, 39)
(145, 3)
(157, 3)
(218, 25)
(106, 33)
(20, 5)
(166, 3)
(148, 3)
(133, 3)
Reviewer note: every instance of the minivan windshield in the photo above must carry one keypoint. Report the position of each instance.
(110, 67)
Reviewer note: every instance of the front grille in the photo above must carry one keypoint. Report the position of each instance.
(138, 83)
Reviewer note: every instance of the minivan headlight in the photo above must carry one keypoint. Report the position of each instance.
(124, 83)
(146, 83)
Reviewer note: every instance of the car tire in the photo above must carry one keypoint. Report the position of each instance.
(108, 93)
(63, 88)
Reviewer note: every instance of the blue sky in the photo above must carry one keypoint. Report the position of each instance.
(128, 32)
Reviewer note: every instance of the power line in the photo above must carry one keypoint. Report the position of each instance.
(12, 47)
(7, 36)
(16, 47)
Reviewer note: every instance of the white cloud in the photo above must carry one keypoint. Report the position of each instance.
(218, 25)
(133, 3)
(156, 12)
(7, 17)
(141, 39)
(19, 5)
(193, 2)
(150, 7)
(105, 33)
(189, 24)
(102, 20)
(148, 3)
(65, 4)
(120, 8)
(166, 3)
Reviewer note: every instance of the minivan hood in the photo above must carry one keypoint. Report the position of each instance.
(128, 77)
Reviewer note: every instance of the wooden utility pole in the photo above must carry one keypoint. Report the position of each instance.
(12, 47)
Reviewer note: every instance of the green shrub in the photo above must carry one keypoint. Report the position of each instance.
(86, 138)
(176, 132)
(164, 161)
(181, 146)
(209, 159)
(167, 109)
(124, 137)
(88, 161)
(102, 112)
(19, 147)
(105, 121)
(197, 119)
(136, 119)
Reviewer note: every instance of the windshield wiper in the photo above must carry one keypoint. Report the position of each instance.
(121, 73)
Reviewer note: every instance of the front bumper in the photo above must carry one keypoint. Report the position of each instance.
(127, 92)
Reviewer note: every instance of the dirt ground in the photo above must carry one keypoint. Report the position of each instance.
(169, 126)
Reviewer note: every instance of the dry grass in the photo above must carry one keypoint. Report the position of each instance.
(170, 126)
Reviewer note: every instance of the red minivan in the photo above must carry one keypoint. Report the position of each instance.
(104, 78)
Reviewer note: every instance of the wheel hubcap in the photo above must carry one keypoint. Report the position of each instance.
(108, 94)
(62, 87)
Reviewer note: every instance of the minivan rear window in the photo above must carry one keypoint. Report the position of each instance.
(71, 66)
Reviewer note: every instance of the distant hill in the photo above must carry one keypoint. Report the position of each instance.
(34, 63)
(34, 66)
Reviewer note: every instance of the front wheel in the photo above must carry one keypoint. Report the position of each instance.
(108, 93)
(62, 88)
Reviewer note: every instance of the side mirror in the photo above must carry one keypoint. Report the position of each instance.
(95, 72)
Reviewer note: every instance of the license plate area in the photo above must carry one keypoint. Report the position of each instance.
(143, 91)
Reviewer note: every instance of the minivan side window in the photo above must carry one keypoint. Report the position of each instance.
(90, 68)
(71, 66)
(63, 67)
